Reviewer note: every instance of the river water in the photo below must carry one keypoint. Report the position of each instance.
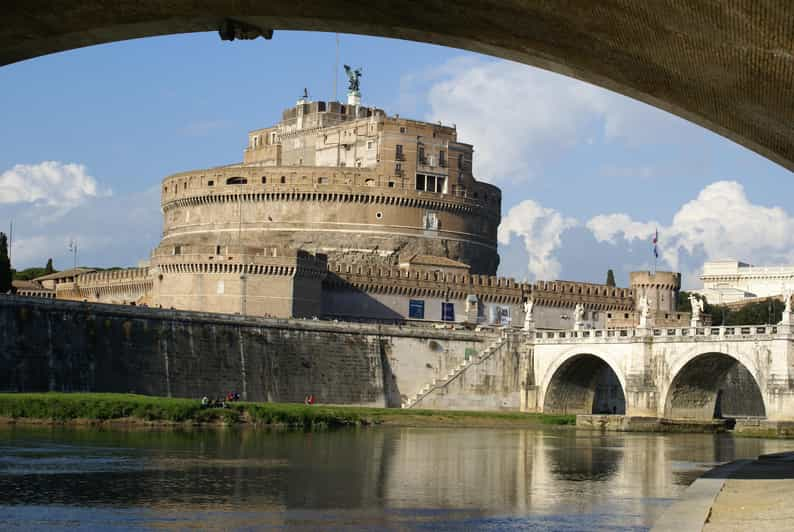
(371, 478)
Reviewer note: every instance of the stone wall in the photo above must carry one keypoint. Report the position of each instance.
(490, 382)
(69, 346)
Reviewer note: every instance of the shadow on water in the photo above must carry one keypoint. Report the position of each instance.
(383, 478)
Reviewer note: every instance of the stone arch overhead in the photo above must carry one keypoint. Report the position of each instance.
(676, 370)
(560, 361)
(727, 69)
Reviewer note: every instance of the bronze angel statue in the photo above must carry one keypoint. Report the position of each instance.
(353, 77)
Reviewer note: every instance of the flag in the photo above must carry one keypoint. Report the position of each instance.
(655, 242)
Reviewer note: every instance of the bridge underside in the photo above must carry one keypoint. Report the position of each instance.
(585, 384)
(711, 386)
(726, 66)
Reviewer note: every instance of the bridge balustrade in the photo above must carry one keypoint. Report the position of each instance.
(705, 332)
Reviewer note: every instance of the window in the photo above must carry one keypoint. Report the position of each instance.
(378, 215)
(402, 130)
(448, 311)
(398, 154)
(237, 181)
(283, 179)
(460, 161)
(431, 183)
(370, 144)
(322, 180)
(217, 250)
(210, 183)
(177, 250)
(609, 315)
(416, 309)
(264, 179)
(421, 155)
(391, 184)
(398, 169)
(442, 158)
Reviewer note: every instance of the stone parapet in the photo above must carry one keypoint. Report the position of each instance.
(251, 183)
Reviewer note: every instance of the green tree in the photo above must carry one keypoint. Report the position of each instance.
(48, 269)
(683, 305)
(610, 278)
(5, 265)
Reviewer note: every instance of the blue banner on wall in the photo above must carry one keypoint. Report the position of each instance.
(448, 311)
(416, 309)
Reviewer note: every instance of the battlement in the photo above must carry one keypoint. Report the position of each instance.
(666, 280)
(430, 282)
(111, 276)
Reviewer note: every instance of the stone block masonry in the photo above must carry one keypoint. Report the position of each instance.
(52, 345)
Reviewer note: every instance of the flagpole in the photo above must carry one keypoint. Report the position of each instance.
(655, 250)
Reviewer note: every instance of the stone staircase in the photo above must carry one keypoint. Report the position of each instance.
(454, 373)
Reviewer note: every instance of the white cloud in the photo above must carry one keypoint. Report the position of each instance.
(518, 118)
(720, 223)
(110, 231)
(607, 227)
(540, 228)
(52, 183)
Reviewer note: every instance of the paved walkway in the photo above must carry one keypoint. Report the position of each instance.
(759, 496)
(746, 495)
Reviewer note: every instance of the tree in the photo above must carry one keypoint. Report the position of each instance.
(5, 265)
(48, 269)
(610, 278)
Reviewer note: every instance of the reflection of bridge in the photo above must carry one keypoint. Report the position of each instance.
(695, 373)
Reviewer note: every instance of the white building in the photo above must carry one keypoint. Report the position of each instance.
(726, 281)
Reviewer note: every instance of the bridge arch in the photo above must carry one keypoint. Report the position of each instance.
(584, 383)
(714, 385)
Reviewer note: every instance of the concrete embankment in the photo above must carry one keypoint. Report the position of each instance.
(739, 496)
(751, 427)
(65, 346)
(619, 423)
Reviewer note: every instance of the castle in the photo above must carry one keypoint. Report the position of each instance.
(341, 211)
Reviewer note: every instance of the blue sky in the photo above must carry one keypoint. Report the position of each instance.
(587, 175)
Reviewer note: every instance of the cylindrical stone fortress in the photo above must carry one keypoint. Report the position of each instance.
(345, 181)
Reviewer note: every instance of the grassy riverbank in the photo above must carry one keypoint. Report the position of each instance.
(139, 409)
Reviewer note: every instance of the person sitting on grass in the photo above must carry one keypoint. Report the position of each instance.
(205, 402)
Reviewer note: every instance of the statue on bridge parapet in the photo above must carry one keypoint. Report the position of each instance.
(529, 320)
(697, 311)
(644, 308)
(787, 317)
(578, 316)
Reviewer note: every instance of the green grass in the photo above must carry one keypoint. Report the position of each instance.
(62, 407)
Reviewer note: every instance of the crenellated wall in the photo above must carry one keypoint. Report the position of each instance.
(131, 285)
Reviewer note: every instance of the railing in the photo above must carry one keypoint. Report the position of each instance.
(705, 332)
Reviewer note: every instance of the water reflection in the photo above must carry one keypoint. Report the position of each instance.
(368, 478)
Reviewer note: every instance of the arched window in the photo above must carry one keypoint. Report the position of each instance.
(237, 181)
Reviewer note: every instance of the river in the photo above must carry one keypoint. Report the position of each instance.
(369, 478)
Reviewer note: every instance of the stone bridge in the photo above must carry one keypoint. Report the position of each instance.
(689, 373)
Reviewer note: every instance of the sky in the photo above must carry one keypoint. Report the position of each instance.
(587, 175)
